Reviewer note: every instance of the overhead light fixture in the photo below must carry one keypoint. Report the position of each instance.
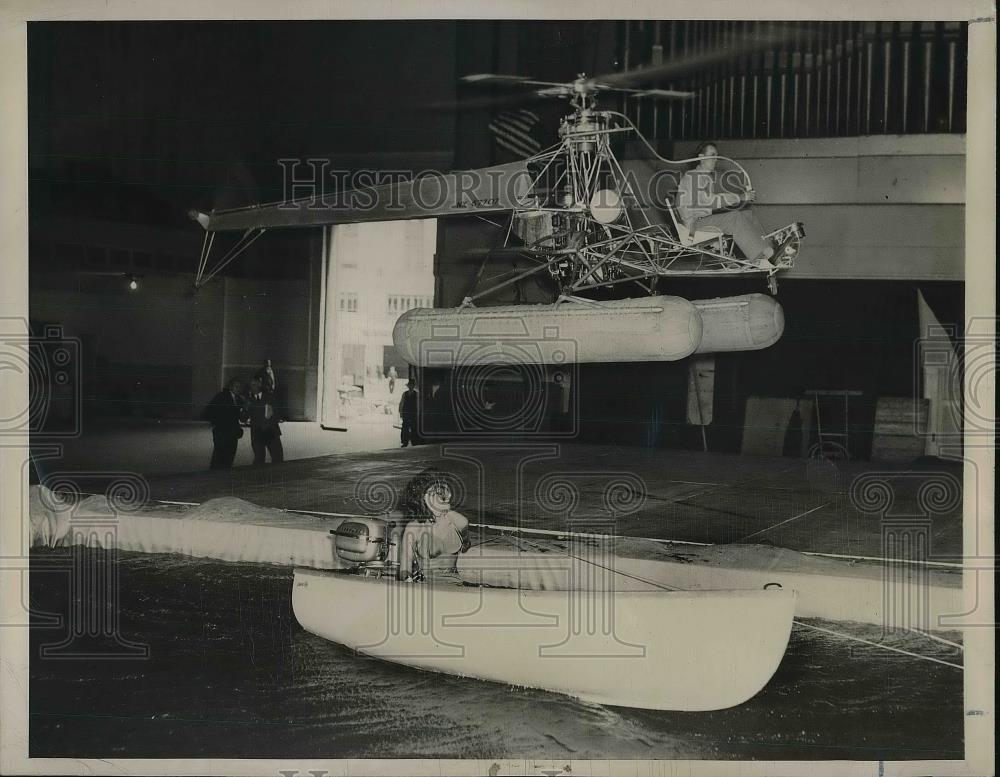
(133, 283)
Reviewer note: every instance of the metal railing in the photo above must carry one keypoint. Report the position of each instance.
(826, 79)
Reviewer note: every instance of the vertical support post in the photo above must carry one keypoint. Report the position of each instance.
(706, 105)
(321, 338)
(731, 129)
(927, 32)
(731, 107)
(695, 50)
(743, 106)
(782, 97)
(796, 62)
(859, 105)
(712, 101)
(626, 54)
(869, 72)
(332, 416)
(886, 86)
(838, 53)
(626, 62)
(827, 107)
(849, 47)
(952, 55)
(906, 33)
(718, 105)
(700, 129)
(808, 62)
(672, 49)
(784, 58)
(656, 59)
(769, 85)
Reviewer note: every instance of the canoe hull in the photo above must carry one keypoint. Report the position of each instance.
(688, 651)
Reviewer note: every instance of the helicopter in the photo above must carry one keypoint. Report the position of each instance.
(583, 221)
(573, 210)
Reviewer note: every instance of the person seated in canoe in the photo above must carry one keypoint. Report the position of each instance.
(435, 533)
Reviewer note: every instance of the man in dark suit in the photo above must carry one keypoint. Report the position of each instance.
(408, 414)
(265, 432)
(225, 412)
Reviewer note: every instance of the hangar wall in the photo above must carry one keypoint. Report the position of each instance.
(164, 349)
(276, 321)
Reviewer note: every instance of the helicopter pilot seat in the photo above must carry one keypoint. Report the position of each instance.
(706, 234)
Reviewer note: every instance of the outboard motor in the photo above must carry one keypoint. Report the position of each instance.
(368, 544)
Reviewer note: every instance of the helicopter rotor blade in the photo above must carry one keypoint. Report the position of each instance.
(683, 66)
(661, 94)
(492, 78)
(627, 80)
(489, 101)
(566, 89)
(538, 90)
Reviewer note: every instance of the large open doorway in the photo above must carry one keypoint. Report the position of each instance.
(374, 272)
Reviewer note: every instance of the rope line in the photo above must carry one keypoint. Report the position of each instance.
(876, 644)
(654, 583)
(590, 536)
(942, 640)
(787, 520)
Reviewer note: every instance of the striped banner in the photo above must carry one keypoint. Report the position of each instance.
(514, 131)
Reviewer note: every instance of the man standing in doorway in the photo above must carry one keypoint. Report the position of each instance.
(408, 413)
(225, 412)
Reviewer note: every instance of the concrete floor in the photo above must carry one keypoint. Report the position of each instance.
(152, 447)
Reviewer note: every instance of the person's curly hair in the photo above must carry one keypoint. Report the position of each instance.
(412, 503)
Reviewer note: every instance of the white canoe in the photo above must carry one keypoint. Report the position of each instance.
(667, 650)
